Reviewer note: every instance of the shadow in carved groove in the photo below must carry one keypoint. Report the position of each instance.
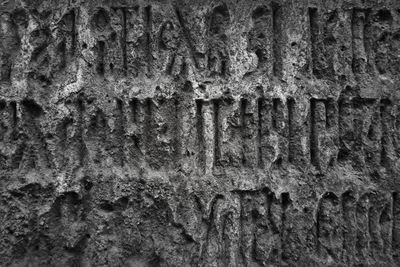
(246, 228)
(217, 56)
(329, 236)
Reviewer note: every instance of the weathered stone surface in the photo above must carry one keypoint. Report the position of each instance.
(200, 133)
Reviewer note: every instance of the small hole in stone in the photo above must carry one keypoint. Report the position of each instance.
(87, 184)
(106, 206)
(32, 107)
(113, 36)
(384, 15)
(3, 104)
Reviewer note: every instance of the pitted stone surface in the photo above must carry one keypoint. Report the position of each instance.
(200, 133)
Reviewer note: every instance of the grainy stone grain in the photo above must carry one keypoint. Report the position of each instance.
(200, 133)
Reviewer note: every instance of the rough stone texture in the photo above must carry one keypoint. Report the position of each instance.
(200, 133)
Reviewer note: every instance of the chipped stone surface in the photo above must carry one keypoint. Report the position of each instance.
(200, 133)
